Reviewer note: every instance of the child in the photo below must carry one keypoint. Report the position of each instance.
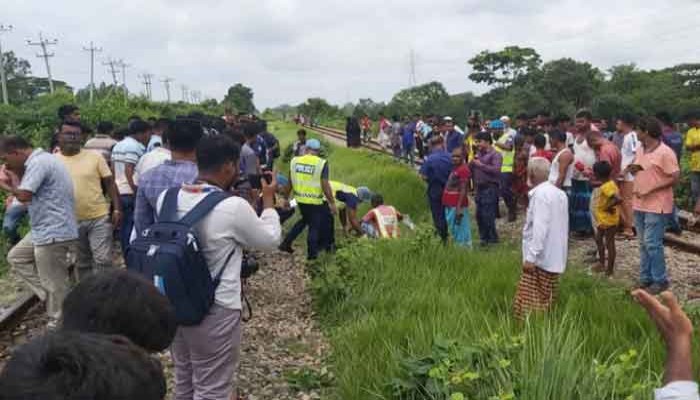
(540, 145)
(455, 200)
(607, 217)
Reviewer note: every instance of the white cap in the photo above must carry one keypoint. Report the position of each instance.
(447, 118)
(505, 118)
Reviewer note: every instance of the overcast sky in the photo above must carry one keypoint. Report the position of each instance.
(289, 50)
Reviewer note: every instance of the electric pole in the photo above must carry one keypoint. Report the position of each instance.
(167, 82)
(45, 55)
(184, 93)
(3, 76)
(92, 49)
(147, 84)
(113, 70)
(124, 66)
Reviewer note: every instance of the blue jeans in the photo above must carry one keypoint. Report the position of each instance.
(127, 202)
(407, 152)
(486, 205)
(673, 224)
(506, 190)
(650, 230)
(10, 222)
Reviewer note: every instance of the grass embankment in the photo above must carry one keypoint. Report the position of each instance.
(389, 305)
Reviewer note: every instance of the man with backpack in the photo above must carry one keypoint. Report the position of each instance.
(200, 227)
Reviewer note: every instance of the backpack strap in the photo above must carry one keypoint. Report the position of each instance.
(203, 207)
(168, 210)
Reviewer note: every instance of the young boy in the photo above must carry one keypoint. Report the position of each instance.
(607, 217)
(540, 146)
(455, 200)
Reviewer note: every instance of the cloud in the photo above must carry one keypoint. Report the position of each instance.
(288, 50)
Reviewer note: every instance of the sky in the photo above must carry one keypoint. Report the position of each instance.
(290, 50)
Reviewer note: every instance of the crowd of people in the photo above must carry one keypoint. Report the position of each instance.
(189, 198)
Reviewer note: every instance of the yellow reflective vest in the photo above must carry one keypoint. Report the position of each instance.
(305, 172)
(508, 156)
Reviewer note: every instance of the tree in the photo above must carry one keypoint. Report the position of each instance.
(568, 85)
(430, 98)
(317, 107)
(16, 71)
(688, 74)
(240, 97)
(504, 67)
(369, 107)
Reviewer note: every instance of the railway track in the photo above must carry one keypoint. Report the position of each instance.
(686, 219)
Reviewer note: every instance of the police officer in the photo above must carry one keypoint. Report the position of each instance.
(349, 198)
(436, 170)
(505, 144)
(310, 185)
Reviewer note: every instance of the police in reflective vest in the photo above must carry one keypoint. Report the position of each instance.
(312, 191)
(504, 143)
(349, 198)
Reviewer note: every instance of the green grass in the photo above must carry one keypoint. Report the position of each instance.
(383, 302)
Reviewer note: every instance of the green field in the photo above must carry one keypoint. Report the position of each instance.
(413, 319)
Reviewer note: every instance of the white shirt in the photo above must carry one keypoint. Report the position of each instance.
(570, 139)
(554, 170)
(232, 224)
(586, 155)
(150, 160)
(679, 390)
(546, 230)
(630, 144)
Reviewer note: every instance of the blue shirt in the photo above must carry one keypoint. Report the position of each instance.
(407, 136)
(674, 140)
(436, 169)
(153, 182)
(51, 211)
(453, 140)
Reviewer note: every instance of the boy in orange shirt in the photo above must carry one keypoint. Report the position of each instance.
(607, 217)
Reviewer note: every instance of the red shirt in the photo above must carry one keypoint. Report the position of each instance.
(544, 154)
(459, 177)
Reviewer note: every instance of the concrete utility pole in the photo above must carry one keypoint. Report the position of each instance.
(113, 70)
(92, 49)
(124, 66)
(184, 93)
(167, 82)
(147, 84)
(45, 55)
(3, 75)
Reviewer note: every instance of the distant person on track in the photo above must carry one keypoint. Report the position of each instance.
(395, 138)
(44, 258)
(655, 171)
(408, 141)
(436, 171)
(312, 191)
(366, 127)
(545, 242)
(384, 131)
(299, 147)
(382, 221)
(456, 201)
(353, 133)
(93, 183)
(607, 217)
(486, 170)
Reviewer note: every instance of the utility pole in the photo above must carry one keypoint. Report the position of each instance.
(412, 74)
(92, 49)
(45, 55)
(3, 76)
(113, 70)
(184, 93)
(147, 84)
(124, 66)
(167, 82)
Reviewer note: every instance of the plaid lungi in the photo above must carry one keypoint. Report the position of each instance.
(537, 290)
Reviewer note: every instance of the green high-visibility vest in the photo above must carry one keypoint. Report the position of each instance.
(305, 172)
(508, 156)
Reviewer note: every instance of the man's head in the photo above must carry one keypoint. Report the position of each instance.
(377, 200)
(506, 121)
(563, 121)
(649, 129)
(69, 138)
(448, 124)
(625, 123)
(602, 171)
(65, 365)
(161, 126)
(217, 160)
(251, 130)
(14, 151)
(521, 120)
(693, 119)
(457, 156)
(140, 130)
(364, 194)
(313, 146)
(540, 141)
(595, 139)
(529, 133)
(537, 171)
(105, 128)
(483, 141)
(665, 118)
(557, 139)
(184, 135)
(437, 143)
(119, 302)
(583, 121)
(69, 113)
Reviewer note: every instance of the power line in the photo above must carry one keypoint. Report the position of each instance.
(166, 81)
(43, 43)
(3, 76)
(147, 84)
(92, 49)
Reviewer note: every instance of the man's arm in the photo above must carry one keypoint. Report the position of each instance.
(129, 174)
(113, 193)
(494, 165)
(264, 232)
(328, 192)
(354, 223)
(540, 227)
(564, 161)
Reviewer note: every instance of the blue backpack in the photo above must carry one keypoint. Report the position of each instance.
(169, 254)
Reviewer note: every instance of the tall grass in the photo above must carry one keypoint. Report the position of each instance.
(382, 302)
